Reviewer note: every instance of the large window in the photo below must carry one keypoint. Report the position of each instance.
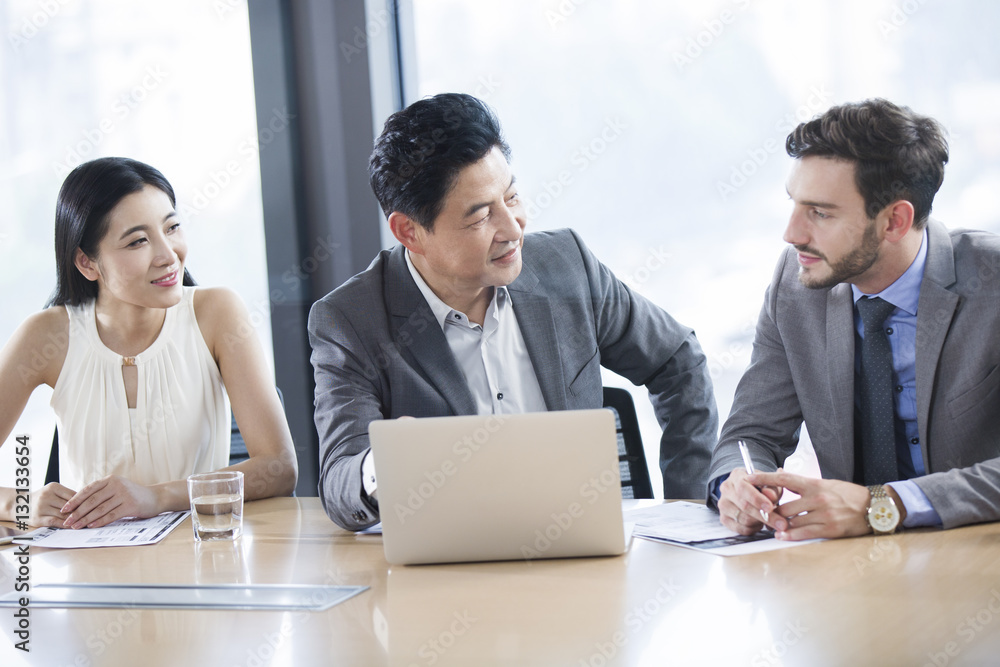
(167, 83)
(657, 129)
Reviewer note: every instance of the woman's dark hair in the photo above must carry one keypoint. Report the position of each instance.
(423, 148)
(897, 154)
(86, 198)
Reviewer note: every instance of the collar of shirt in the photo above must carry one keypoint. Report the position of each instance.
(905, 292)
(443, 312)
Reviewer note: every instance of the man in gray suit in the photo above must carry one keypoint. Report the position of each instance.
(469, 315)
(902, 406)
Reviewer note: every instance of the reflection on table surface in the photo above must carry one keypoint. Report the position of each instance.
(922, 597)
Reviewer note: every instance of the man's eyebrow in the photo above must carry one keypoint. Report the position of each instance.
(475, 207)
(809, 202)
(819, 204)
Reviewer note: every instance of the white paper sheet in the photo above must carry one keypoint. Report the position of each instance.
(696, 526)
(120, 533)
(371, 530)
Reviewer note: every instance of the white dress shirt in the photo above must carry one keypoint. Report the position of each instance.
(493, 357)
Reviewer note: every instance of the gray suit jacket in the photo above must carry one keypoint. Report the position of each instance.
(802, 369)
(378, 353)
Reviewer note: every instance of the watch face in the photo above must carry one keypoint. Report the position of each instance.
(882, 516)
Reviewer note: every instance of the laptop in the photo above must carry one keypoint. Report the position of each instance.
(499, 487)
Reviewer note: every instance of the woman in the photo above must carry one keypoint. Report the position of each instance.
(137, 358)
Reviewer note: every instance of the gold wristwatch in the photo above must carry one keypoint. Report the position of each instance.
(882, 515)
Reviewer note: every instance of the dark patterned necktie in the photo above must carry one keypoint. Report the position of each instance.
(877, 427)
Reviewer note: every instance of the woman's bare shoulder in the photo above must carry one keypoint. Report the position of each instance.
(212, 304)
(40, 344)
(219, 311)
(48, 326)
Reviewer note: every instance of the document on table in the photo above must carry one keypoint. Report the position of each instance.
(371, 530)
(695, 526)
(121, 533)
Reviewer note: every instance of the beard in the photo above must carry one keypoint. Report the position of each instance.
(851, 265)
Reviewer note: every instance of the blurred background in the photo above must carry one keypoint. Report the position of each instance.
(654, 128)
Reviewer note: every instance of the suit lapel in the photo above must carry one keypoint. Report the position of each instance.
(935, 310)
(538, 328)
(420, 338)
(840, 357)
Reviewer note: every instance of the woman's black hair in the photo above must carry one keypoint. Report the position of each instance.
(86, 198)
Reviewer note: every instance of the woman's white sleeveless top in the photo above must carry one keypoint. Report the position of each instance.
(180, 424)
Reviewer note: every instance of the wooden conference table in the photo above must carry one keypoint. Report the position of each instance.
(918, 598)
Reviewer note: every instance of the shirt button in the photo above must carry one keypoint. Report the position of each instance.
(899, 388)
(914, 441)
(888, 331)
(499, 395)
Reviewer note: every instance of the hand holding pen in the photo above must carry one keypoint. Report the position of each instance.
(748, 464)
(744, 506)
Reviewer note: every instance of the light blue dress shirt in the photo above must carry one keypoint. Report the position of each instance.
(901, 330)
(901, 327)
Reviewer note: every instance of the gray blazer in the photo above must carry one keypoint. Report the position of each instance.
(378, 353)
(802, 369)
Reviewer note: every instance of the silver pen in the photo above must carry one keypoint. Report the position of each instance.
(748, 464)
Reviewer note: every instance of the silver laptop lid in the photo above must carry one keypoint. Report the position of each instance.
(498, 487)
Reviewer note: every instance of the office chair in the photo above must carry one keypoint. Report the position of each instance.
(631, 456)
(237, 446)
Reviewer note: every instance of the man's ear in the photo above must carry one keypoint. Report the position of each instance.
(85, 265)
(899, 220)
(407, 231)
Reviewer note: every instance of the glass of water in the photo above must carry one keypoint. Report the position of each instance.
(216, 505)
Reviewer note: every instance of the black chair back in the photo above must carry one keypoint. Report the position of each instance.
(631, 456)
